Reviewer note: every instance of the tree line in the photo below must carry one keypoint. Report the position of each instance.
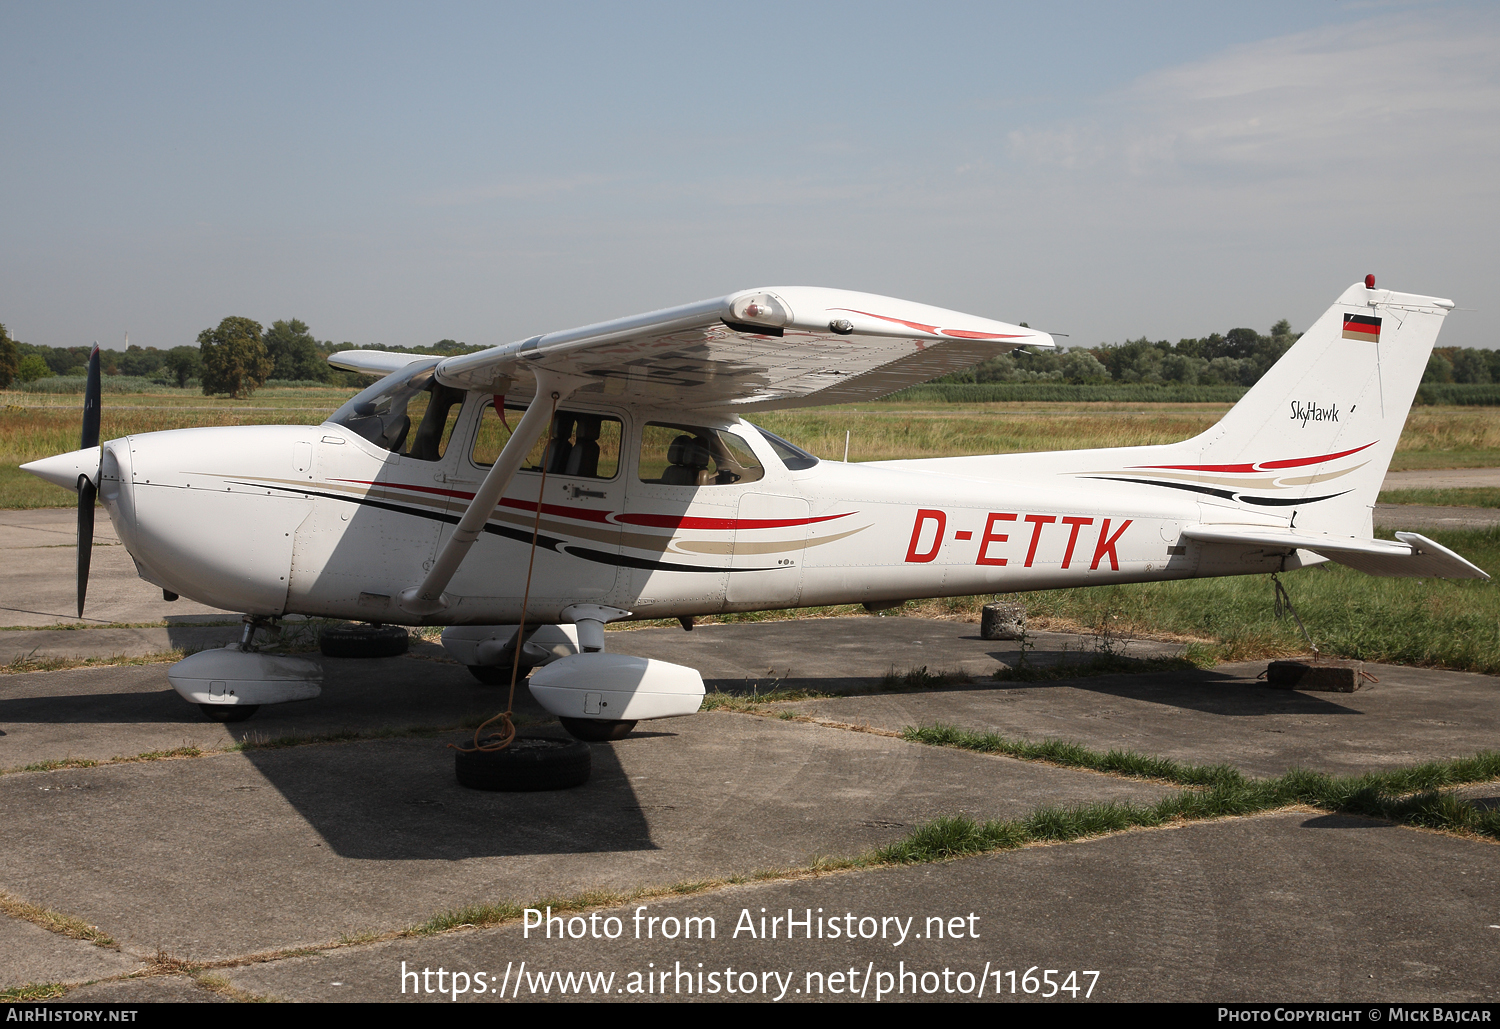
(235, 358)
(1239, 357)
(238, 356)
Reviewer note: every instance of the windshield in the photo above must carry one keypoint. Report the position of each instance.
(380, 414)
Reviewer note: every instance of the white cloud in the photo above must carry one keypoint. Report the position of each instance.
(1387, 94)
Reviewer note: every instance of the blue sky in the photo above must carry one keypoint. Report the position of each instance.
(398, 174)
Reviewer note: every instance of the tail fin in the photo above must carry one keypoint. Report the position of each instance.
(1317, 432)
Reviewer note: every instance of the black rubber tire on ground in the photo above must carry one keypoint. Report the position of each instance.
(497, 675)
(529, 764)
(363, 641)
(596, 730)
(228, 712)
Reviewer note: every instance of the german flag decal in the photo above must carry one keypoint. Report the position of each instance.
(1362, 327)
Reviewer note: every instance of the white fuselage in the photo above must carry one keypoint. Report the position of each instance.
(317, 520)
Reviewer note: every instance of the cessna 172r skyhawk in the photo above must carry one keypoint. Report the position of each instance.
(605, 473)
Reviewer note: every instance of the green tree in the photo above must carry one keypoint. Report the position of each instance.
(295, 352)
(9, 361)
(184, 363)
(32, 368)
(234, 358)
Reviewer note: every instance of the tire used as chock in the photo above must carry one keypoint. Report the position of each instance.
(597, 730)
(530, 764)
(363, 641)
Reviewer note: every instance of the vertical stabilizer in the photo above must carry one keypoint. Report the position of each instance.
(1314, 436)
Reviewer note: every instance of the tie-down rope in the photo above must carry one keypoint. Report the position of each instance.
(507, 734)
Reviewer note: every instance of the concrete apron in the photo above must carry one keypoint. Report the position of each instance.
(1291, 906)
(224, 856)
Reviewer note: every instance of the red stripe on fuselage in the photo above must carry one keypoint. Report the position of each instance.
(578, 513)
(654, 521)
(685, 522)
(1264, 466)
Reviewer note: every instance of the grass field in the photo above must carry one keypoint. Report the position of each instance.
(1430, 622)
(35, 425)
(1442, 497)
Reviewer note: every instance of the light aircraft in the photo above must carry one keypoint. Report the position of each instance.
(605, 473)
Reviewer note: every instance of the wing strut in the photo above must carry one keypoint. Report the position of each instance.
(429, 598)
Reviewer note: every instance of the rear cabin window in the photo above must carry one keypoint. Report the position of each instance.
(582, 445)
(689, 455)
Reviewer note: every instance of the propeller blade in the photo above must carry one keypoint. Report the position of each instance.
(86, 494)
(91, 403)
(87, 490)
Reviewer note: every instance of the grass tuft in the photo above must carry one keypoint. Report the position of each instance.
(32, 991)
(922, 679)
(55, 921)
(1213, 791)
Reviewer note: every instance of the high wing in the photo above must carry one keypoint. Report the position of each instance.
(753, 351)
(373, 362)
(1413, 556)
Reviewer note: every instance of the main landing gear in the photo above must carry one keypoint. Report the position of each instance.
(230, 684)
(364, 641)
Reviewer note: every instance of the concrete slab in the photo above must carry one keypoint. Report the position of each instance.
(1416, 516)
(1224, 715)
(840, 655)
(38, 575)
(164, 989)
(1290, 906)
(1443, 478)
(101, 713)
(34, 955)
(220, 856)
(101, 642)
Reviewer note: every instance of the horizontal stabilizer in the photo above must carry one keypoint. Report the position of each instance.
(1413, 556)
(373, 362)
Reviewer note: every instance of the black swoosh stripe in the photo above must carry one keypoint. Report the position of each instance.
(521, 536)
(1225, 494)
(626, 561)
(1270, 502)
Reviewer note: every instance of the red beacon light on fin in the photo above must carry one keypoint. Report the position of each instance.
(1369, 282)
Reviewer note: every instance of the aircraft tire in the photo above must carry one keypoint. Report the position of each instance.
(497, 675)
(364, 641)
(530, 764)
(597, 730)
(228, 712)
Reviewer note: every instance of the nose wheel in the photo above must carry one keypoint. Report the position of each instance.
(228, 712)
(597, 730)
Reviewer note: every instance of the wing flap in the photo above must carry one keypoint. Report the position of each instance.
(1411, 556)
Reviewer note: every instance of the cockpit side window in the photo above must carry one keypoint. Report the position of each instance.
(582, 445)
(794, 457)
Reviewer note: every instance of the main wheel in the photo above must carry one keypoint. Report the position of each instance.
(364, 641)
(228, 712)
(529, 764)
(596, 730)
